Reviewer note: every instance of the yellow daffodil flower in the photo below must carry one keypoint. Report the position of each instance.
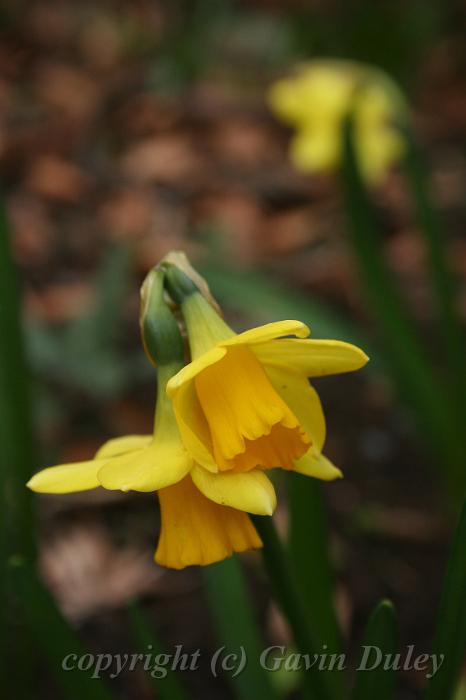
(243, 405)
(244, 402)
(317, 100)
(203, 514)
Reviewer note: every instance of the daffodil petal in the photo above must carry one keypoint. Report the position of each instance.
(250, 491)
(122, 445)
(193, 426)
(268, 332)
(67, 478)
(303, 401)
(195, 530)
(190, 371)
(314, 358)
(243, 410)
(317, 465)
(158, 466)
(286, 101)
(378, 149)
(316, 147)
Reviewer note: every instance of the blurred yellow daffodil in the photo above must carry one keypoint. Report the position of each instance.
(317, 99)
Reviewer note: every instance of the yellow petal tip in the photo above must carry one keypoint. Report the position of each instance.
(303, 332)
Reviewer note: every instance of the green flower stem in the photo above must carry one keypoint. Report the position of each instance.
(443, 281)
(405, 354)
(308, 547)
(316, 683)
(233, 618)
(164, 420)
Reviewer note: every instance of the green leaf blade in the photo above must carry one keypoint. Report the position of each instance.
(308, 547)
(381, 633)
(53, 636)
(288, 593)
(450, 638)
(442, 277)
(234, 621)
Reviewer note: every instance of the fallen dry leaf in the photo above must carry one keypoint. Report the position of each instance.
(87, 573)
(57, 179)
(71, 90)
(170, 159)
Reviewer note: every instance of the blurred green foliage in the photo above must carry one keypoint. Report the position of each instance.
(207, 37)
(85, 353)
(52, 635)
(408, 358)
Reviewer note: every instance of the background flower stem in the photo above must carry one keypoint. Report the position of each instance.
(405, 353)
(17, 456)
(16, 459)
(442, 277)
(309, 552)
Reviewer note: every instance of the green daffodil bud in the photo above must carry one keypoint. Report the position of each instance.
(160, 332)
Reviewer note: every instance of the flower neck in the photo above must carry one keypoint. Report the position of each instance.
(205, 327)
(165, 424)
